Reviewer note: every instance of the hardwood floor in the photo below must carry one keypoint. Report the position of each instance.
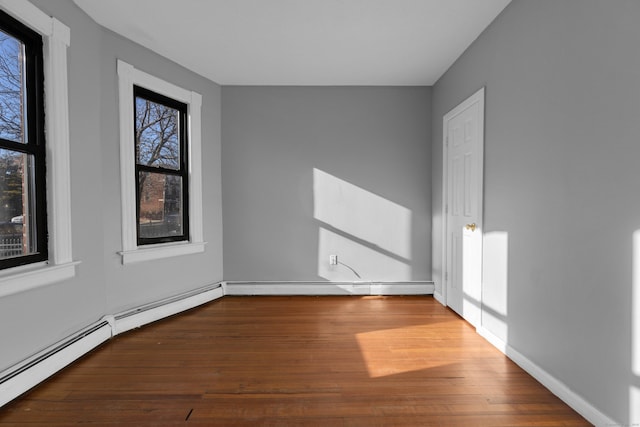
(296, 361)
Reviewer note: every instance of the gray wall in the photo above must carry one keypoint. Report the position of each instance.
(31, 320)
(134, 284)
(561, 186)
(561, 179)
(368, 145)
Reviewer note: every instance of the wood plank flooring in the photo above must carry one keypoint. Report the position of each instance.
(296, 361)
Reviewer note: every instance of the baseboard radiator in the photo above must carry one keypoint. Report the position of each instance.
(21, 377)
(164, 308)
(34, 370)
(24, 375)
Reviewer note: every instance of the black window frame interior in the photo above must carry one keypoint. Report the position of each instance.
(35, 139)
(183, 171)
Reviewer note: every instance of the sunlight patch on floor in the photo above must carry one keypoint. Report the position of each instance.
(394, 351)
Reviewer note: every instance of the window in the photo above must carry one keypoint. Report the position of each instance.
(161, 168)
(23, 228)
(38, 194)
(160, 175)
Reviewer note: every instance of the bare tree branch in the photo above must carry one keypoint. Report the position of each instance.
(157, 140)
(11, 84)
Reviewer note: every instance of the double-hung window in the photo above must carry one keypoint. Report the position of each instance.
(162, 211)
(35, 192)
(23, 214)
(160, 167)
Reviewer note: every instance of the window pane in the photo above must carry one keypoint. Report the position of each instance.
(12, 94)
(157, 134)
(17, 227)
(160, 205)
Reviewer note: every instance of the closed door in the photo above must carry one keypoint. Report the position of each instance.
(464, 129)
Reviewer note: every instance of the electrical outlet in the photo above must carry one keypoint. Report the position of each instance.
(333, 259)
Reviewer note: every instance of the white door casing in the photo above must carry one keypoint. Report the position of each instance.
(463, 142)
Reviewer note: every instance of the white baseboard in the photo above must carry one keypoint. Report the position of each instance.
(440, 298)
(328, 288)
(575, 401)
(21, 377)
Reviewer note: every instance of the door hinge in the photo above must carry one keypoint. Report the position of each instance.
(446, 276)
(446, 209)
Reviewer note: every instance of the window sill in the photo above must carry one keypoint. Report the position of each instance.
(160, 251)
(20, 279)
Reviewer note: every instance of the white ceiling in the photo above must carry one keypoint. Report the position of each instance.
(303, 42)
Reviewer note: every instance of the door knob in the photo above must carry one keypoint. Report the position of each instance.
(471, 226)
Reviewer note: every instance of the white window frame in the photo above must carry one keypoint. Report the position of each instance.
(60, 266)
(128, 76)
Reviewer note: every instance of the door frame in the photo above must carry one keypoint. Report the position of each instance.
(477, 97)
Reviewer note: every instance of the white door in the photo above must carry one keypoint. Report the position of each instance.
(463, 156)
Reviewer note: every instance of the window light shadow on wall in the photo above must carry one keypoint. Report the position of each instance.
(368, 232)
(634, 387)
(369, 263)
(495, 278)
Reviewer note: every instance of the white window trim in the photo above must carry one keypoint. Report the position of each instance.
(60, 266)
(128, 76)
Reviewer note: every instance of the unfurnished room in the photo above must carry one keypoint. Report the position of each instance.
(320, 212)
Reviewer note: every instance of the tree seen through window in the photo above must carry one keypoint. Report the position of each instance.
(160, 140)
(23, 236)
